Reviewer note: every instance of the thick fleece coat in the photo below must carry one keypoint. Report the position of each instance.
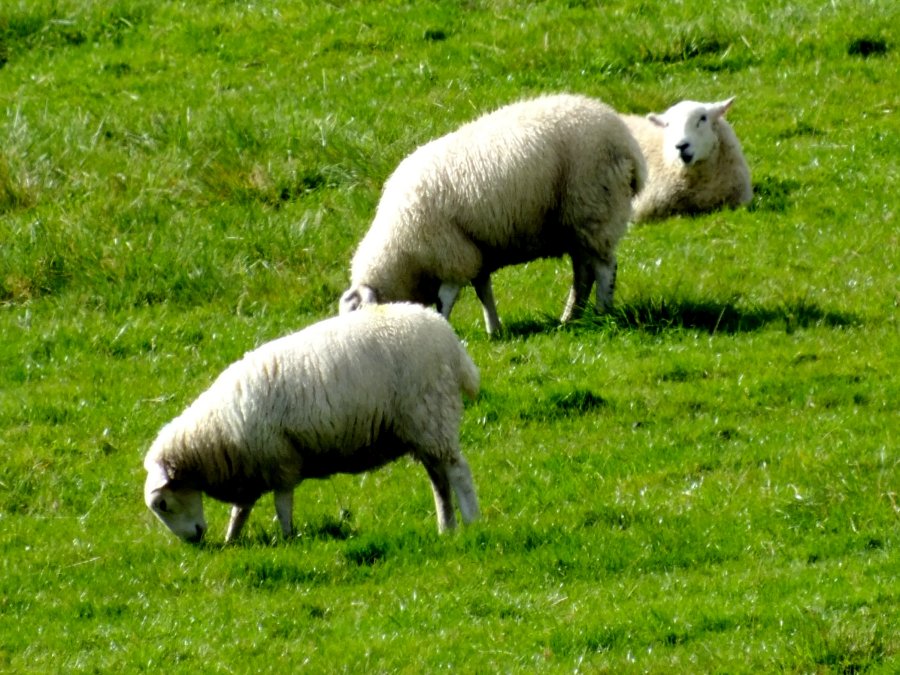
(540, 178)
(348, 394)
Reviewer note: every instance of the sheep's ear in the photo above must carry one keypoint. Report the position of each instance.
(719, 109)
(658, 120)
(357, 297)
(366, 295)
(350, 301)
(157, 476)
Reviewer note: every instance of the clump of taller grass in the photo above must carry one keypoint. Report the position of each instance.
(15, 192)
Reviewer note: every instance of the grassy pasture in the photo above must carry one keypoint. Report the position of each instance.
(704, 481)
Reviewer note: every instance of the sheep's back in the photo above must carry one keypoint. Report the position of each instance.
(509, 182)
(341, 383)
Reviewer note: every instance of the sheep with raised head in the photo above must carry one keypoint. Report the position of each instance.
(345, 395)
(540, 178)
(694, 160)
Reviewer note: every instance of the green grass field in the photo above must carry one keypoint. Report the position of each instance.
(704, 481)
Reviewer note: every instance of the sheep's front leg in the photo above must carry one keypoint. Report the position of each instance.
(440, 486)
(461, 480)
(582, 279)
(605, 276)
(485, 292)
(284, 511)
(239, 515)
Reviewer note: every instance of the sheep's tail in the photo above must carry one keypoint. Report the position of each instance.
(638, 166)
(469, 378)
(638, 175)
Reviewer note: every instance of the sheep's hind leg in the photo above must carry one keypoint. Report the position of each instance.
(485, 292)
(284, 511)
(239, 515)
(461, 480)
(583, 275)
(440, 486)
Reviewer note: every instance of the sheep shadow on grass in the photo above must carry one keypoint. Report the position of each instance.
(658, 315)
(714, 316)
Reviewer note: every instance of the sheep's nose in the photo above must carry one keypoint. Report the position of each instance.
(684, 151)
(200, 531)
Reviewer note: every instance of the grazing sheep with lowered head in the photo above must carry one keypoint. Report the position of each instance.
(541, 178)
(345, 395)
(694, 161)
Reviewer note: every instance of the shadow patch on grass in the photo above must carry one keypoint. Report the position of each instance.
(256, 185)
(530, 326)
(367, 551)
(703, 51)
(712, 316)
(774, 194)
(867, 46)
(686, 48)
(435, 35)
(681, 374)
(562, 404)
(519, 537)
(42, 28)
(267, 574)
(658, 315)
(328, 527)
(797, 130)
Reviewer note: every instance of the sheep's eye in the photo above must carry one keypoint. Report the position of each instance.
(702, 120)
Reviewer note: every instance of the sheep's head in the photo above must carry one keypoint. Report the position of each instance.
(689, 130)
(356, 297)
(179, 507)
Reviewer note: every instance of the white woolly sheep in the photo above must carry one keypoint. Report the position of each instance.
(694, 161)
(541, 178)
(345, 395)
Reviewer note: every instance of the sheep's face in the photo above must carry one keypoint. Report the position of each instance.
(180, 508)
(689, 130)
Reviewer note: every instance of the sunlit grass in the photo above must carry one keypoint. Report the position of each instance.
(703, 481)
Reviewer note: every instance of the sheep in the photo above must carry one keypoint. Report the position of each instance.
(540, 178)
(346, 395)
(694, 160)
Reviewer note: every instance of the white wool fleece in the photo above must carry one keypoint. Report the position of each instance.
(347, 394)
(541, 178)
